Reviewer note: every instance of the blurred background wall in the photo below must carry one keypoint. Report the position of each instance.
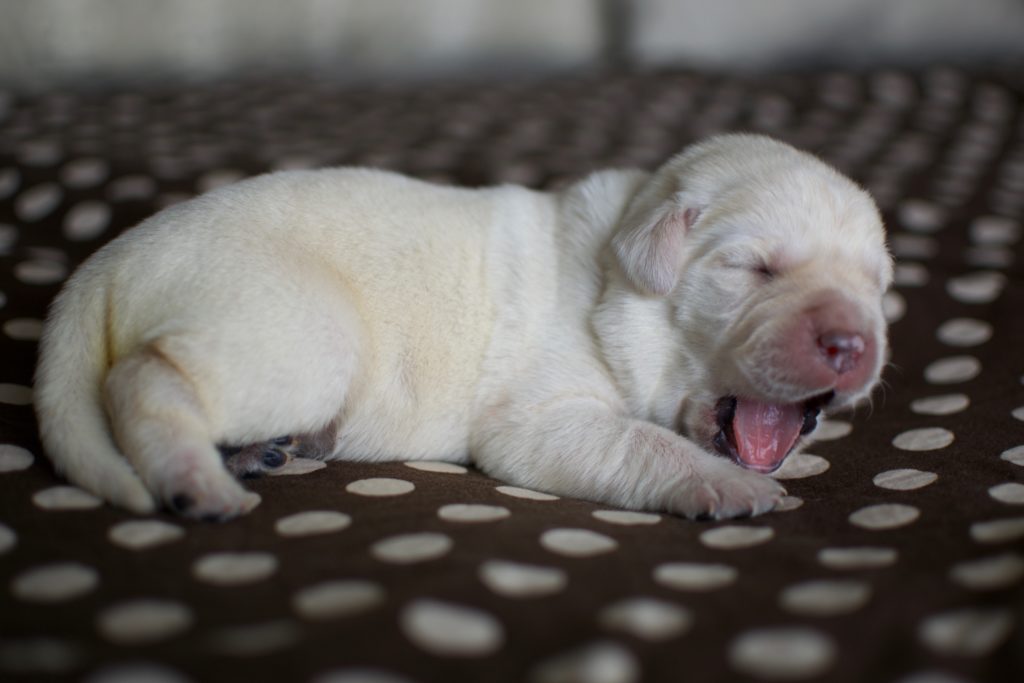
(48, 43)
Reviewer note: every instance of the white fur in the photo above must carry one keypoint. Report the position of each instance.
(560, 341)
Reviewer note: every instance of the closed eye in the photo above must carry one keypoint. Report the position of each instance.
(763, 270)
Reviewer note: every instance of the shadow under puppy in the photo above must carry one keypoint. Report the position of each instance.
(652, 341)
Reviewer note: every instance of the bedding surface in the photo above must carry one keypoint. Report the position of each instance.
(898, 555)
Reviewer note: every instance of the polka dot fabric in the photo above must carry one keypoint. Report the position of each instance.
(898, 554)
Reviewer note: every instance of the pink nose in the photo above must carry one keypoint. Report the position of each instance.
(841, 351)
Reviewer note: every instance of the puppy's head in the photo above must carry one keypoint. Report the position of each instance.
(774, 266)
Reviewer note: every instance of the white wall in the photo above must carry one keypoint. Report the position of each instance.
(52, 42)
(46, 41)
(755, 33)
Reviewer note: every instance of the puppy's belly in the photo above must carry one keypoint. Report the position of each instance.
(424, 340)
(381, 430)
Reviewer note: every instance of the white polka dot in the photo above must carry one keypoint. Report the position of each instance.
(989, 573)
(904, 479)
(14, 458)
(38, 656)
(381, 486)
(8, 236)
(998, 530)
(144, 534)
(55, 582)
(24, 329)
(1018, 413)
(15, 394)
(626, 517)
(436, 466)
(460, 512)
(964, 332)
(801, 466)
(597, 663)
(1010, 493)
(83, 173)
(783, 653)
(825, 598)
(38, 202)
(967, 632)
(254, 640)
(884, 516)
(646, 618)
(141, 672)
(298, 466)
(527, 494)
(8, 538)
(577, 542)
(86, 220)
(789, 503)
(411, 548)
(734, 536)
(894, 306)
(220, 177)
(857, 558)
(689, 576)
(10, 179)
(946, 404)
(335, 599)
(989, 257)
(40, 272)
(994, 230)
(360, 676)
(830, 430)
(451, 630)
(515, 580)
(924, 439)
(312, 522)
(143, 621)
(294, 162)
(132, 188)
(920, 215)
(910, 275)
(234, 569)
(910, 246)
(976, 288)
(65, 498)
(1014, 455)
(952, 370)
(39, 152)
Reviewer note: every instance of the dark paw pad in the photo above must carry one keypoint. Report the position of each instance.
(274, 458)
(182, 503)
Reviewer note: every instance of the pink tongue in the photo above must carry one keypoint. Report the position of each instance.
(765, 432)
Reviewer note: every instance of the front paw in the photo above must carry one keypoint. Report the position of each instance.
(719, 489)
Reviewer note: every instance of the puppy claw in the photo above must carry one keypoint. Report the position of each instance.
(725, 491)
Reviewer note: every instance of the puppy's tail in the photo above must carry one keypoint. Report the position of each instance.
(74, 355)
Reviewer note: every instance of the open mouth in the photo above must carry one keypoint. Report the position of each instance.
(759, 435)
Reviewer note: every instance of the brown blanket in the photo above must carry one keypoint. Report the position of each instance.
(899, 556)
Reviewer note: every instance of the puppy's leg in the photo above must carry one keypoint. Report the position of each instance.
(255, 460)
(160, 424)
(582, 448)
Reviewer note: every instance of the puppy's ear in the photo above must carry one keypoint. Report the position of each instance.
(649, 243)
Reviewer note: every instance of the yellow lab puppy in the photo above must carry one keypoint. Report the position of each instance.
(651, 341)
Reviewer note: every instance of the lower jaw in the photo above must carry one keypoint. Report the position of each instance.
(724, 442)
